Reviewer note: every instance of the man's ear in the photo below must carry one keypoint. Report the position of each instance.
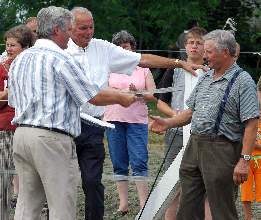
(227, 52)
(56, 30)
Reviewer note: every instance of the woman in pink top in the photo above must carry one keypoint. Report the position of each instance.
(128, 144)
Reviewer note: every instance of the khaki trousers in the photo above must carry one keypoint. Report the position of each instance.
(207, 167)
(46, 164)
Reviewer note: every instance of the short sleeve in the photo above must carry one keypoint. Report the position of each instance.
(248, 98)
(121, 60)
(191, 101)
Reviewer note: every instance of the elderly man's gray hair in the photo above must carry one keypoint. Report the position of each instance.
(81, 10)
(48, 18)
(124, 37)
(223, 39)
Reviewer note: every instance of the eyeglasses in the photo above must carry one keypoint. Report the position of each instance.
(197, 43)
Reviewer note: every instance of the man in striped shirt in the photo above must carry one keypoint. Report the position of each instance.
(216, 158)
(46, 88)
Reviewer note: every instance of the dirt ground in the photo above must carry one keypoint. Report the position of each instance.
(111, 196)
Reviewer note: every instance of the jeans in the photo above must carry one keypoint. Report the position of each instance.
(128, 145)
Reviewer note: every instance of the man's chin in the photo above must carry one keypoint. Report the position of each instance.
(87, 40)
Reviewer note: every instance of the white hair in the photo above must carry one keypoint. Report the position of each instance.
(223, 39)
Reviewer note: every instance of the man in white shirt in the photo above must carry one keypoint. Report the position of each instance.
(101, 58)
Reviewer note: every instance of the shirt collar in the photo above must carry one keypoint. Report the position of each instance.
(47, 44)
(228, 74)
(75, 47)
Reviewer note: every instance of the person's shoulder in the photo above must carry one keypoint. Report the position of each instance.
(176, 70)
(51, 51)
(100, 42)
(138, 68)
(100, 47)
(245, 80)
(245, 76)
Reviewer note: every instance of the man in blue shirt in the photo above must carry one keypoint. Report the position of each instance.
(217, 156)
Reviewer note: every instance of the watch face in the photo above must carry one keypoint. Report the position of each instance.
(247, 157)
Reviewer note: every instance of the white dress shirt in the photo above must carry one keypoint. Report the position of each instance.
(99, 59)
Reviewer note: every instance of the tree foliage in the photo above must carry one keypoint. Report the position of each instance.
(154, 23)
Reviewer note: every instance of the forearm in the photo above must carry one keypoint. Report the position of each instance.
(259, 94)
(249, 136)
(149, 98)
(106, 97)
(154, 61)
(165, 109)
(114, 89)
(181, 119)
(150, 85)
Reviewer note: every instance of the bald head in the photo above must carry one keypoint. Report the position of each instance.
(81, 10)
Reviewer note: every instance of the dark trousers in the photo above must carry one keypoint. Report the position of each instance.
(207, 168)
(91, 154)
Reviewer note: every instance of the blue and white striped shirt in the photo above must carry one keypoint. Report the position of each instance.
(242, 103)
(47, 87)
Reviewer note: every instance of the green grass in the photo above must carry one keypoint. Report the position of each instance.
(111, 196)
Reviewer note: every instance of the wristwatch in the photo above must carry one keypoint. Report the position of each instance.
(245, 157)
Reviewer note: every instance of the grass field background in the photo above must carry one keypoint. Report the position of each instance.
(156, 149)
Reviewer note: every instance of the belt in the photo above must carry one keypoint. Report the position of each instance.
(211, 137)
(46, 128)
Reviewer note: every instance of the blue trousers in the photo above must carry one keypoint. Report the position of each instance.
(91, 153)
(128, 145)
